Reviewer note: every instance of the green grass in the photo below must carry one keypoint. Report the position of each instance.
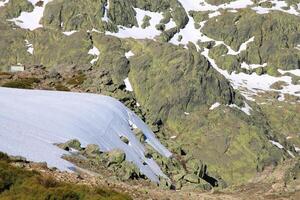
(25, 83)
(17, 183)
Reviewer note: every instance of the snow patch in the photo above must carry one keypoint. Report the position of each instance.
(251, 84)
(214, 14)
(128, 85)
(68, 33)
(277, 144)
(94, 52)
(278, 6)
(2, 3)
(296, 72)
(129, 54)
(31, 20)
(243, 47)
(246, 109)
(202, 5)
(149, 32)
(105, 18)
(29, 46)
(215, 105)
(252, 66)
(290, 153)
(29, 127)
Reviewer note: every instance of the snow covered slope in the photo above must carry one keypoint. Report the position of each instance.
(31, 121)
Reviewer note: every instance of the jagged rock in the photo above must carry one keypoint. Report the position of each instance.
(196, 167)
(116, 157)
(179, 176)
(18, 159)
(92, 150)
(165, 184)
(124, 139)
(74, 144)
(140, 135)
(129, 171)
(192, 178)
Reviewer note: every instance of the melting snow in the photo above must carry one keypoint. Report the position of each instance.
(105, 18)
(29, 47)
(68, 33)
(201, 5)
(31, 121)
(214, 14)
(128, 85)
(94, 52)
(2, 3)
(243, 47)
(129, 54)
(31, 20)
(246, 109)
(254, 83)
(252, 66)
(277, 5)
(291, 154)
(277, 144)
(149, 32)
(296, 72)
(215, 105)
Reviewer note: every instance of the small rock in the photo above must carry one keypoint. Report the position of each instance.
(116, 157)
(92, 150)
(124, 139)
(192, 178)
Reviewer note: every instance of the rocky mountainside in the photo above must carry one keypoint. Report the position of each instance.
(218, 82)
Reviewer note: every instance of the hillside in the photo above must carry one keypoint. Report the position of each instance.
(189, 94)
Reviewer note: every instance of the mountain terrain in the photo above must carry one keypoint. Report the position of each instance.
(191, 96)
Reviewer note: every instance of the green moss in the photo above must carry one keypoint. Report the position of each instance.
(26, 83)
(61, 87)
(16, 183)
(146, 21)
(275, 37)
(77, 79)
(14, 8)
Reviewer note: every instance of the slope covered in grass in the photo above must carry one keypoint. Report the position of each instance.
(16, 183)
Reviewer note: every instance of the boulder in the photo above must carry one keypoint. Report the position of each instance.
(116, 157)
(192, 178)
(165, 184)
(74, 144)
(92, 150)
(179, 176)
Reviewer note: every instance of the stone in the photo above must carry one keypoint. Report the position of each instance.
(192, 178)
(124, 139)
(92, 150)
(165, 184)
(179, 176)
(116, 156)
(74, 144)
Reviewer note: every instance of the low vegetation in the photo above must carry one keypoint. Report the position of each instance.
(17, 183)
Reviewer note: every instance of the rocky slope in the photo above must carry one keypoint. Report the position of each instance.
(217, 81)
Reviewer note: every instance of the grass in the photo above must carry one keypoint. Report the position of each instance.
(17, 183)
(25, 83)
(77, 80)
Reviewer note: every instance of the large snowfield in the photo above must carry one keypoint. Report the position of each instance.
(31, 121)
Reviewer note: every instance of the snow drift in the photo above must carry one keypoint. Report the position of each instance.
(31, 121)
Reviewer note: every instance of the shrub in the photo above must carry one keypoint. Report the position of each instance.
(16, 183)
(25, 83)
